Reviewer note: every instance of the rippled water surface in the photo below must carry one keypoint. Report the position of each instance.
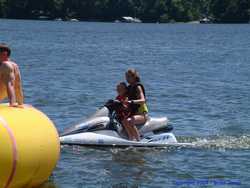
(197, 75)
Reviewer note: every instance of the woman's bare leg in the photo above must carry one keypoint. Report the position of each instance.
(126, 125)
(130, 126)
(137, 120)
(133, 129)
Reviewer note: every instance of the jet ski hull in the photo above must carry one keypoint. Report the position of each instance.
(111, 138)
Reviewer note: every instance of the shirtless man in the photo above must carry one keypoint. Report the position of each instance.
(10, 79)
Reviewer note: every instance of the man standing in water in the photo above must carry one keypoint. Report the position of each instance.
(10, 79)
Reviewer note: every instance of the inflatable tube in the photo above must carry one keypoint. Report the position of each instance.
(29, 147)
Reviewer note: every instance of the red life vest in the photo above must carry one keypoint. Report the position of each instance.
(124, 111)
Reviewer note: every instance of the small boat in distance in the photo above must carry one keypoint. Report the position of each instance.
(43, 18)
(74, 20)
(205, 21)
(128, 19)
(58, 19)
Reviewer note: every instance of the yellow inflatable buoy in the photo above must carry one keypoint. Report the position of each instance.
(29, 147)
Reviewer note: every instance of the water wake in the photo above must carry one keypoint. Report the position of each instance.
(218, 142)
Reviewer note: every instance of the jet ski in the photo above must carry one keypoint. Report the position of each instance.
(103, 129)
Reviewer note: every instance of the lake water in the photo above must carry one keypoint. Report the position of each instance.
(197, 75)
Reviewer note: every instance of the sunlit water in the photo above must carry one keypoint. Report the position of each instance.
(197, 75)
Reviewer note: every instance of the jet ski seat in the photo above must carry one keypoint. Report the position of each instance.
(153, 124)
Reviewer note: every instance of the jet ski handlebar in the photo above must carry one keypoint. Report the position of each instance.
(113, 105)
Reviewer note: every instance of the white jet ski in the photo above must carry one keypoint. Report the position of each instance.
(103, 129)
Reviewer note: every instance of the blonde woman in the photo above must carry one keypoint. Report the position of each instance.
(137, 100)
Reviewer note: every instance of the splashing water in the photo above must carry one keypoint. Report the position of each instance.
(218, 142)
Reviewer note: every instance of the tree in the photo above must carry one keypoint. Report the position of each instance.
(228, 11)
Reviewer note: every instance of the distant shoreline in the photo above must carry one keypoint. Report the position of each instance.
(132, 11)
(100, 21)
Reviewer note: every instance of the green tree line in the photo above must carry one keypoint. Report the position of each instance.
(222, 11)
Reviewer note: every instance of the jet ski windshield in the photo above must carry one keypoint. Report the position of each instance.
(101, 112)
(99, 120)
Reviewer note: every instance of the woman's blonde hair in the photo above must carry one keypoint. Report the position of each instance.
(134, 73)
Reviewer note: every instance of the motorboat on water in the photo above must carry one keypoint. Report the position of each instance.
(104, 129)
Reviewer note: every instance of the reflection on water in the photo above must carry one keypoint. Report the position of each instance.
(129, 163)
(128, 156)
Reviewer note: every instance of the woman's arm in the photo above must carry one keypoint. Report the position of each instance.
(9, 79)
(18, 85)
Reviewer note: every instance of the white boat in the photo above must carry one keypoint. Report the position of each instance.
(205, 21)
(128, 19)
(103, 129)
(74, 20)
(58, 19)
